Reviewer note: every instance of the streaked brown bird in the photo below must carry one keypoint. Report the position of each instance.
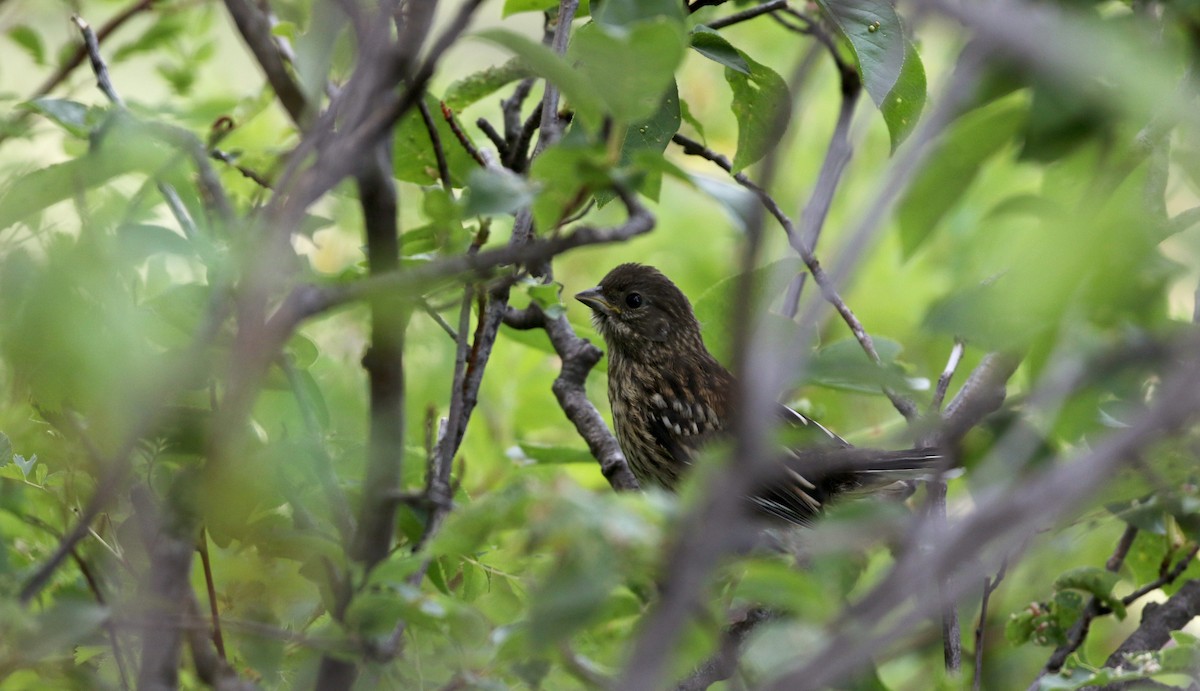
(670, 397)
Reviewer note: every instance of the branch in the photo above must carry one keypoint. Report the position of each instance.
(989, 587)
(76, 59)
(1158, 621)
(1079, 630)
(255, 29)
(171, 541)
(828, 289)
(723, 663)
(744, 15)
(578, 358)
(1001, 522)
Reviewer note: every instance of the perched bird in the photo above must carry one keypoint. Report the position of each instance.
(670, 397)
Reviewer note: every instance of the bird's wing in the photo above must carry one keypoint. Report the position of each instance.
(681, 425)
(814, 433)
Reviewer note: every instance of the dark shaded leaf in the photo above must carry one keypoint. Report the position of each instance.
(713, 46)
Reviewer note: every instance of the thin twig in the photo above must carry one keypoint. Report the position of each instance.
(76, 59)
(211, 587)
(744, 15)
(828, 289)
(989, 587)
(461, 136)
(943, 383)
(1079, 630)
(435, 141)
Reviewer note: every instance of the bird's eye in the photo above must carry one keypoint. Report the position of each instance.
(634, 300)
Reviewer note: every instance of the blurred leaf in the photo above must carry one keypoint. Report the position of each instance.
(545, 63)
(778, 585)
(315, 49)
(30, 41)
(512, 7)
(1061, 119)
(493, 191)
(630, 69)
(738, 202)
(474, 87)
(953, 166)
(713, 46)
(567, 176)
(1091, 579)
(644, 144)
(762, 107)
(116, 155)
(165, 28)
(715, 305)
(574, 592)
(844, 365)
(6, 454)
(137, 241)
(624, 13)
(552, 454)
(24, 465)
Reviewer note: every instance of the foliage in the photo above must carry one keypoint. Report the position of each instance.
(220, 335)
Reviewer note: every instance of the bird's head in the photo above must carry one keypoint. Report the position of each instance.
(638, 309)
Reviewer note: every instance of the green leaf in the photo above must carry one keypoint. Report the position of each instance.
(713, 46)
(876, 37)
(493, 191)
(715, 305)
(471, 88)
(72, 116)
(23, 464)
(902, 107)
(166, 28)
(512, 7)
(691, 119)
(953, 166)
(567, 176)
(1019, 628)
(5, 450)
(888, 63)
(762, 106)
(138, 241)
(30, 41)
(414, 159)
(571, 596)
(738, 202)
(1091, 579)
(648, 140)
(844, 365)
(546, 296)
(781, 586)
(632, 68)
(551, 454)
(546, 64)
(625, 13)
(30, 193)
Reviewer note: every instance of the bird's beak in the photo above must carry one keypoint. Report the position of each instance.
(592, 297)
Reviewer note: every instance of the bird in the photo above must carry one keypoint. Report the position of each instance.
(670, 397)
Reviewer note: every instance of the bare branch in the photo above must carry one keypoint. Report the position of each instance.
(943, 383)
(744, 15)
(989, 587)
(256, 32)
(578, 358)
